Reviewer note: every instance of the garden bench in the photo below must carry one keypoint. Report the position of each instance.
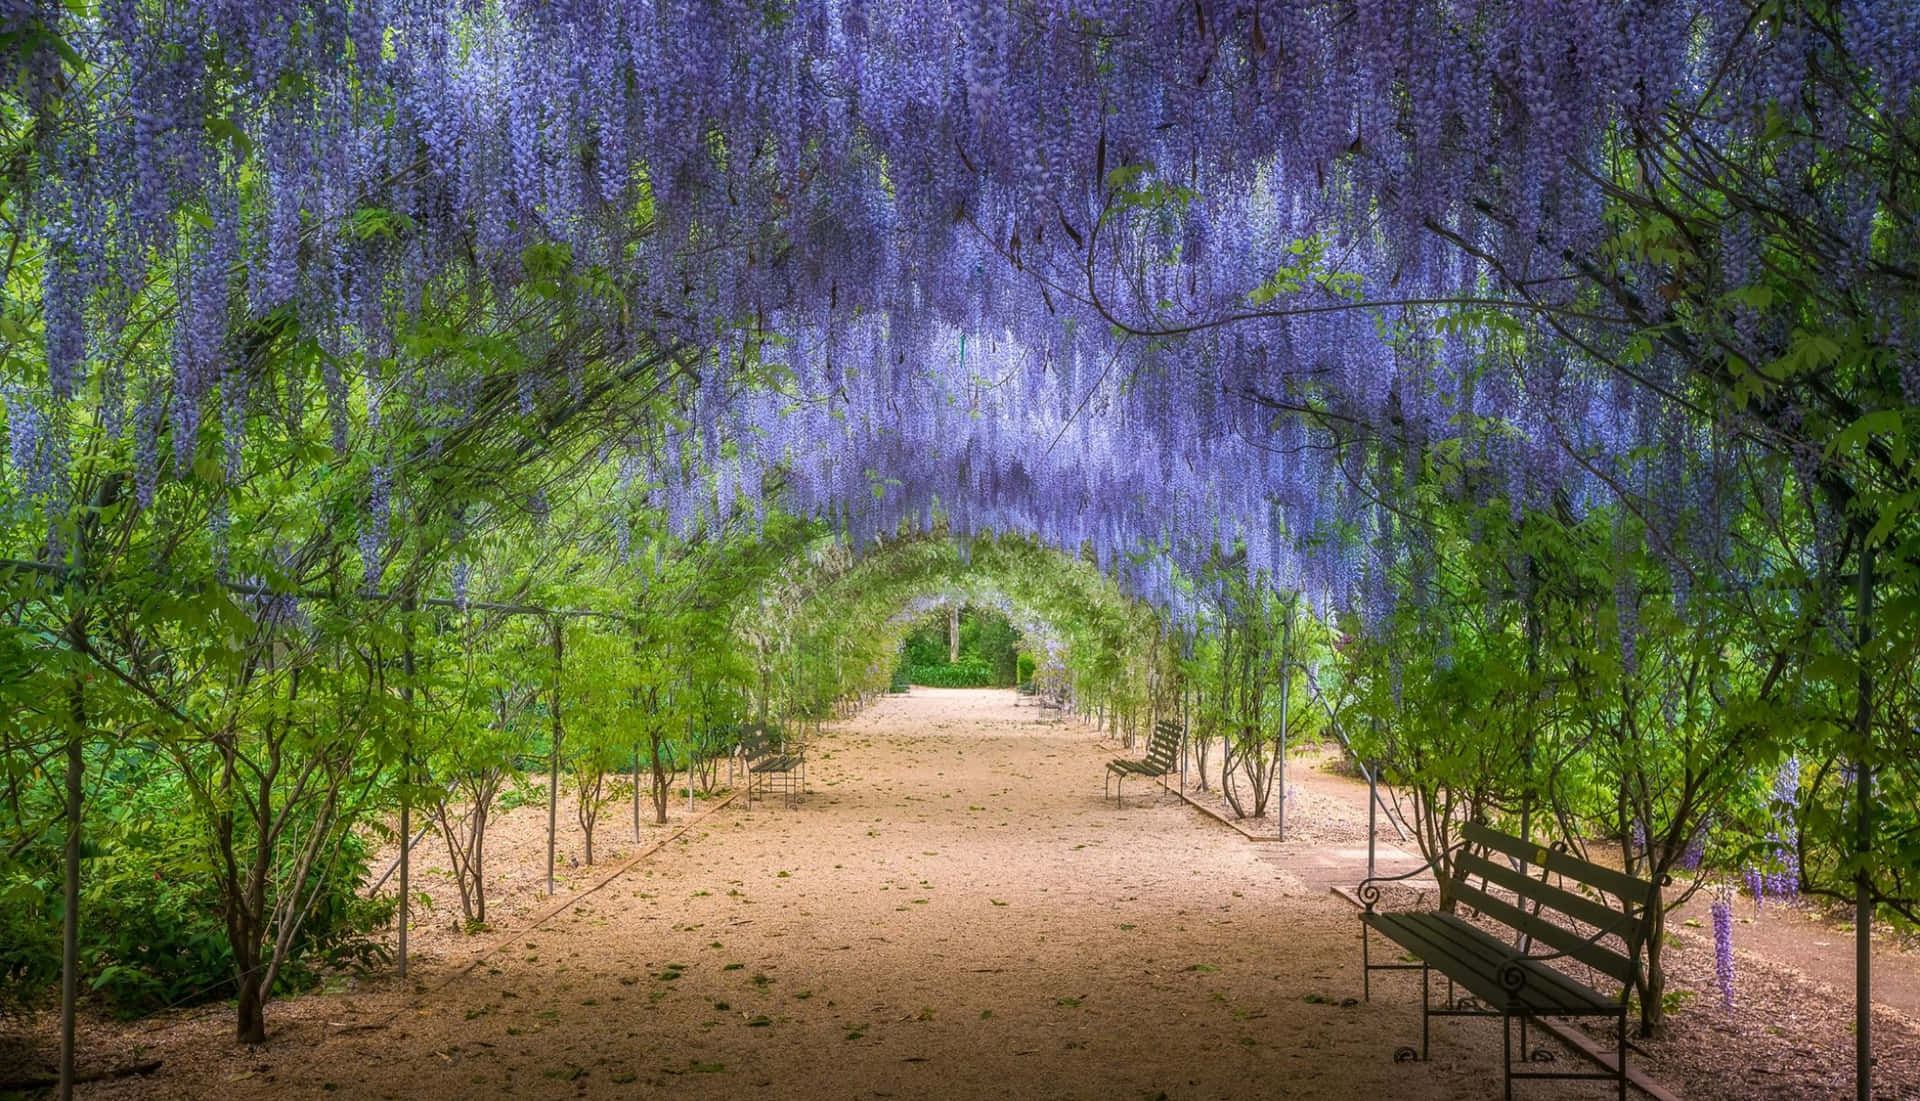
(770, 756)
(1162, 750)
(1570, 920)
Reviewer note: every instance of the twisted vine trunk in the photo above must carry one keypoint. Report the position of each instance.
(466, 840)
(661, 777)
(590, 783)
(1650, 980)
(70, 920)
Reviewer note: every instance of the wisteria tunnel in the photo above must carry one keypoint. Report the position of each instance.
(1331, 487)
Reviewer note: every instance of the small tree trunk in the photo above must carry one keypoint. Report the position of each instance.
(406, 870)
(457, 855)
(1863, 901)
(590, 784)
(1653, 968)
(244, 935)
(766, 687)
(661, 778)
(406, 777)
(1227, 755)
(250, 1024)
(474, 864)
(1228, 790)
(70, 920)
(251, 1019)
(953, 634)
(636, 792)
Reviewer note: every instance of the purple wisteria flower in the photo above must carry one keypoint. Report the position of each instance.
(1696, 850)
(1721, 910)
(462, 577)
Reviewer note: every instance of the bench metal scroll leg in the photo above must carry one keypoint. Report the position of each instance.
(1426, 1006)
(1506, 1041)
(1366, 967)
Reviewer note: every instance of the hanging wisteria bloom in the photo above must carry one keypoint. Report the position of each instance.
(1783, 879)
(1721, 910)
(1695, 853)
(372, 539)
(888, 275)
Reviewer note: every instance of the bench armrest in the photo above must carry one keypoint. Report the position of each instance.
(1513, 971)
(1368, 892)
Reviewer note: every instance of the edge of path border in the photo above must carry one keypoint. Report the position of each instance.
(541, 916)
(1214, 814)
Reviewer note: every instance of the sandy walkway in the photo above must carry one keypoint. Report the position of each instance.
(953, 912)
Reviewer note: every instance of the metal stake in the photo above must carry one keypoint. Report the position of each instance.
(1286, 647)
(1373, 818)
(1863, 845)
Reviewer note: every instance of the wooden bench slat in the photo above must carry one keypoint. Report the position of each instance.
(1160, 754)
(1562, 939)
(1614, 882)
(1531, 999)
(769, 754)
(1485, 954)
(1432, 945)
(1454, 959)
(1473, 958)
(1494, 952)
(1162, 748)
(1580, 907)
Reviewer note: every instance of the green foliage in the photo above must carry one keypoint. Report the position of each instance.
(153, 936)
(968, 672)
(1307, 267)
(1246, 680)
(29, 934)
(988, 651)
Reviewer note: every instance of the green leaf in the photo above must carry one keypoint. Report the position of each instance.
(227, 130)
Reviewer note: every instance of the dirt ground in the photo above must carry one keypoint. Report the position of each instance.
(953, 911)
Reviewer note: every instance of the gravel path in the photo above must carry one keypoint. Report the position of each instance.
(954, 911)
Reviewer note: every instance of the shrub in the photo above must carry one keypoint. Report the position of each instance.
(151, 932)
(968, 672)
